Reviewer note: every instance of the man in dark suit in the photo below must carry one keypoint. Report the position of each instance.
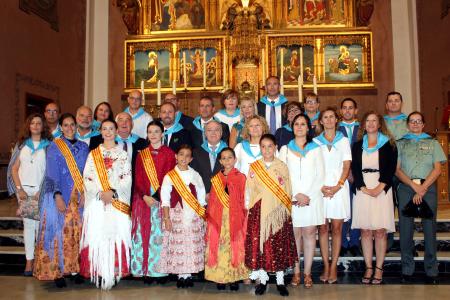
(349, 127)
(272, 104)
(128, 141)
(175, 134)
(206, 114)
(181, 118)
(205, 160)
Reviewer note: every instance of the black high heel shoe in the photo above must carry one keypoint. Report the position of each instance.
(282, 290)
(60, 282)
(180, 283)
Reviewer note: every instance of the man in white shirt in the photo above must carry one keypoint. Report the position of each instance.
(140, 117)
(51, 114)
(84, 124)
(271, 105)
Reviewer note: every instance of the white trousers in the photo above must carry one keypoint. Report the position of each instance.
(30, 228)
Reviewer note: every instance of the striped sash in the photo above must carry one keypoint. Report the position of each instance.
(187, 196)
(71, 164)
(219, 189)
(150, 169)
(103, 177)
(271, 184)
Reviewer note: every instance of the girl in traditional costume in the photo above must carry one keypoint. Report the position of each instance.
(57, 251)
(270, 244)
(226, 219)
(26, 173)
(152, 164)
(106, 239)
(183, 201)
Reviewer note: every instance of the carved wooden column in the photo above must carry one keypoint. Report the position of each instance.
(442, 181)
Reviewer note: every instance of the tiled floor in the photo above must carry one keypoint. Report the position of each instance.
(29, 288)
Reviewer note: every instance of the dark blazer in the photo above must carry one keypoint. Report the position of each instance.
(186, 121)
(262, 111)
(180, 138)
(387, 160)
(283, 137)
(201, 164)
(197, 135)
(354, 137)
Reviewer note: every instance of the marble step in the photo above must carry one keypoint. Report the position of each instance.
(12, 250)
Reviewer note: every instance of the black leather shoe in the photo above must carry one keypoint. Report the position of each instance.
(260, 289)
(282, 290)
(406, 279)
(78, 279)
(234, 286)
(355, 251)
(181, 283)
(221, 286)
(431, 280)
(162, 280)
(148, 280)
(60, 283)
(188, 282)
(343, 251)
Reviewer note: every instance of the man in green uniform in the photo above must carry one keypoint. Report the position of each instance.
(419, 165)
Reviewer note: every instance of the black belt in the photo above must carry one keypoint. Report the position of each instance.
(370, 170)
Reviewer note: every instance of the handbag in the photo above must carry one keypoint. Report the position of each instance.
(29, 208)
(422, 210)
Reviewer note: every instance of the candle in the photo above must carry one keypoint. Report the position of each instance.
(300, 88)
(174, 87)
(301, 62)
(158, 95)
(142, 92)
(204, 69)
(263, 64)
(281, 70)
(224, 68)
(315, 84)
(184, 70)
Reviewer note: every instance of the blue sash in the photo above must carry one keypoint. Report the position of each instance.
(321, 138)
(416, 137)
(295, 148)
(316, 117)
(246, 148)
(96, 125)
(139, 113)
(236, 113)
(381, 140)
(281, 100)
(42, 144)
(221, 146)
(287, 127)
(132, 138)
(87, 136)
(174, 129)
(400, 117)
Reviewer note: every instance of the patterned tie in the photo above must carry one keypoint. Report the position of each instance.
(212, 157)
(273, 121)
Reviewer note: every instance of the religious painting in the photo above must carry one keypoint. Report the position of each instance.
(197, 64)
(302, 13)
(171, 15)
(292, 61)
(343, 63)
(150, 66)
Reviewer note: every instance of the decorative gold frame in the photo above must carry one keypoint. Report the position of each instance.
(173, 45)
(318, 40)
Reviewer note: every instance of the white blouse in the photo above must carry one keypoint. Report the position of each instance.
(32, 166)
(243, 160)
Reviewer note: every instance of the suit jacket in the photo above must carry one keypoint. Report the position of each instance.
(283, 137)
(387, 161)
(262, 111)
(180, 138)
(186, 121)
(354, 137)
(197, 135)
(202, 165)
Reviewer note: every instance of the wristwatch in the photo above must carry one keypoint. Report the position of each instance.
(18, 187)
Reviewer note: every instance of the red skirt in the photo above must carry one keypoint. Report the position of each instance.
(279, 251)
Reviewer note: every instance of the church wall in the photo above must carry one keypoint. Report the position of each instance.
(434, 49)
(39, 60)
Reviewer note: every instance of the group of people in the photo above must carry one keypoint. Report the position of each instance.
(238, 193)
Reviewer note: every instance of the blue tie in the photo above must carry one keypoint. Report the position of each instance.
(273, 121)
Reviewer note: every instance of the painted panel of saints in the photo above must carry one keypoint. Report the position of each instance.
(194, 66)
(343, 63)
(178, 15)
(151, 66)
(316, 13)
(291, 63)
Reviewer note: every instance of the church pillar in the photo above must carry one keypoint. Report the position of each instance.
(96, 52)
(406, 55)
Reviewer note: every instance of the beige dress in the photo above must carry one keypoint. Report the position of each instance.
(373, 212)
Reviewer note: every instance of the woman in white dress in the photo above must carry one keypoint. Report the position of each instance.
(106, 239)
(231, 113)
(248, 150)
(373, 168)
(306, 169)
(337, 157)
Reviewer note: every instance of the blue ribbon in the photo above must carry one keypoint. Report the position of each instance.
(57, 132)
(321, 138)
(96, 125)
(349, 125)
(236, 113)
(87, 136)
(246, 147)
(287, 127)
(220, 147)
(175, 128)
(381, 140)
(400, 117)
(197, 123)
(132, 138)
(42, 144)
(177, 117)
(139, 113)
(295, 148)
(281, 100)
(316, 117)
(416, 137)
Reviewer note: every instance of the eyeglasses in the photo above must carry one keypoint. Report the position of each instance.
(51, 111)
(311, 102)
(416, 122)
